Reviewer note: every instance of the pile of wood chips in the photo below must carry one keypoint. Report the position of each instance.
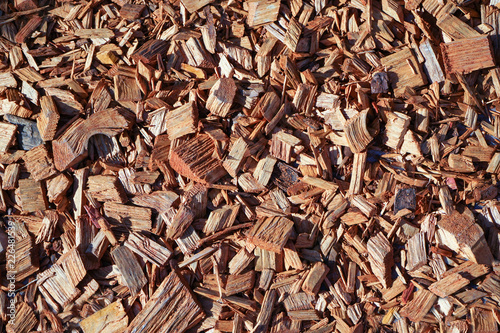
(261, 166)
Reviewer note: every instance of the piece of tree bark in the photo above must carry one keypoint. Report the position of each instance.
(417, 308)
(271, 234)
(28, 135)
(172, 308)
(130, 269)
(315, 278)
(266, 311)
(39, 163)
(264, 170)
(125, 217)
(55, 285)
(71, 147)
(7, 133)
(148, 52)
(28, 29)
(48, 119)
(403, 70)
(282, 145)
(221, 219)
(417, 252)
(112, 319)
(181, 121)
(380, 255)
(131, 11)
(262, 12)
(24, 321)
(236, 156)
(148, 249)
(195, 160)
(357, 133)
(221, 97)
(11, 176)
(32, 195)
(106, 188)
(467, 55)
(460, 232)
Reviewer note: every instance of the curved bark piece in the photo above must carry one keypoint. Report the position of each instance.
(71, 147)
(357, 134)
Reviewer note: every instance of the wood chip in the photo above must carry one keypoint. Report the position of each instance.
(271, 233)
(250, 166)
